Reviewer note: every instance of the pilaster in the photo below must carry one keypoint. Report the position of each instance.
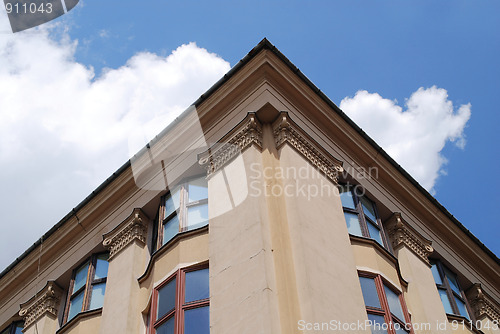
(42, 310)
(402, 234)
(482, 305)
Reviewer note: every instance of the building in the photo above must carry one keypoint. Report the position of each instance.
(261, 209)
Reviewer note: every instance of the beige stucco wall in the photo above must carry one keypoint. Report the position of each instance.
(121, 310)
(243, 292)
(369, 258)
(47, 324)
(488, 326)
(84, 325)
(324, 263)
(421, 297)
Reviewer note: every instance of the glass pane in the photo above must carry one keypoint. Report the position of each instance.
(368, 208)
(172, 202)
(197, 285)
(394, 304)
(369, 292)
(197, 321)
(166, 299)
(435, 273)
(461, 307)
(374, 233)
(197, 189)
(81, 277)
(101, 268)
(446, 301)
(97, 298)
(352, 222)
(452, 278)
(75, 305)
(19, 328)
(400, 329)
(197, 216)
(167, 327)
(170, 229)
(346, 197)
(377, 324)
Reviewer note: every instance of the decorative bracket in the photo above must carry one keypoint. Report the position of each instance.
(402, 234)
(133, 228)
(248, 132)
(286, 131)
(482, 304)
(44, 302)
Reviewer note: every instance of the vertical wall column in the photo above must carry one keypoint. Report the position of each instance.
(243, 295)
(485, 310)
(412, 251)
(127, 258)
(40, 312)
(323, 265)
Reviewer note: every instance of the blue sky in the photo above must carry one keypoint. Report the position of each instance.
(389, 49)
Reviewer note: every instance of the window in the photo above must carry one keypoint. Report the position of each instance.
(14, 328)
(181, 303)
(87, 286)
(361, 215)
(385, 306)
(449, 290)
(184, 208)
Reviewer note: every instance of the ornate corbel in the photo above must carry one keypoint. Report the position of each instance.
(135, 227)
(44, 302)
(402, 234)
(287, 132)
(482, 304)
(247, 133)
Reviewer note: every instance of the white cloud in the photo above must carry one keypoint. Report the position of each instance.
(63, 130)
(414, 137)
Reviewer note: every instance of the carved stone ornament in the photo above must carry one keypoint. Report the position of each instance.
(402, 234)
(248, 132)
(482, 304)
(133, 228)
(44, 302)
(286, 131)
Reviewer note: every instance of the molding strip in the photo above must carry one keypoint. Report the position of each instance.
(482, 304)
(248, 132)
(133, 228)
(402, 234)
(287, 131)
(44, 302)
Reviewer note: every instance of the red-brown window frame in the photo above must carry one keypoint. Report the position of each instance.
(87, 288)
(181, 213)
(180, 307)
(380, 282)
(359, 211)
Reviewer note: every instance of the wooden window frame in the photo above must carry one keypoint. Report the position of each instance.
(449, 291)
(362, 217)
(11, 329)
(180, 306)
(90, 281)
(181, 213)
(384, 311)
